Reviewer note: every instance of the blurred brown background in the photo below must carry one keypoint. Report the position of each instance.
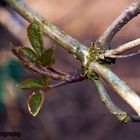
(72, 112)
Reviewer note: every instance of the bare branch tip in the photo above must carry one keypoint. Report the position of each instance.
(129, 13)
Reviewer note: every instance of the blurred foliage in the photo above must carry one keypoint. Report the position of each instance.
(14, 70)
(10, 71)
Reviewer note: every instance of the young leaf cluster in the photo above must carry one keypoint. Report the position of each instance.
(38, 55)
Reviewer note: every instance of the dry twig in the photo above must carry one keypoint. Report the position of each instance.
(132, 11)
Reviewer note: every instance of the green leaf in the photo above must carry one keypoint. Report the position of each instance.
(30, 84)
(35, 35)
(29, 53)
(35, 103)
(48, 57)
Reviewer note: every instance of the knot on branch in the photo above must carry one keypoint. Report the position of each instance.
(96, 54)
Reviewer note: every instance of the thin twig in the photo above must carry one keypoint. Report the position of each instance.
(36, 67)
(133, 118)
(132, 11)
(69, 78)
(123, 48)
(115, 110)
(122, 56)
(120, 114)
(56, 70)
(72, 78)
(52, 86)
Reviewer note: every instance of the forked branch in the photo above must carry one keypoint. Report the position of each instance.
(118, 85)
(81, 52)
(132, 11)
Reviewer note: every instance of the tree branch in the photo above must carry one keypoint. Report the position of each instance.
(120, 114)
(132, 11)
(123, 48)
(54, 69)
(67, 78)
(36, 67)
(81, 51)
(67, 42)
(122, 56)
(115, 110)
(118, 85)
(71, 78)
